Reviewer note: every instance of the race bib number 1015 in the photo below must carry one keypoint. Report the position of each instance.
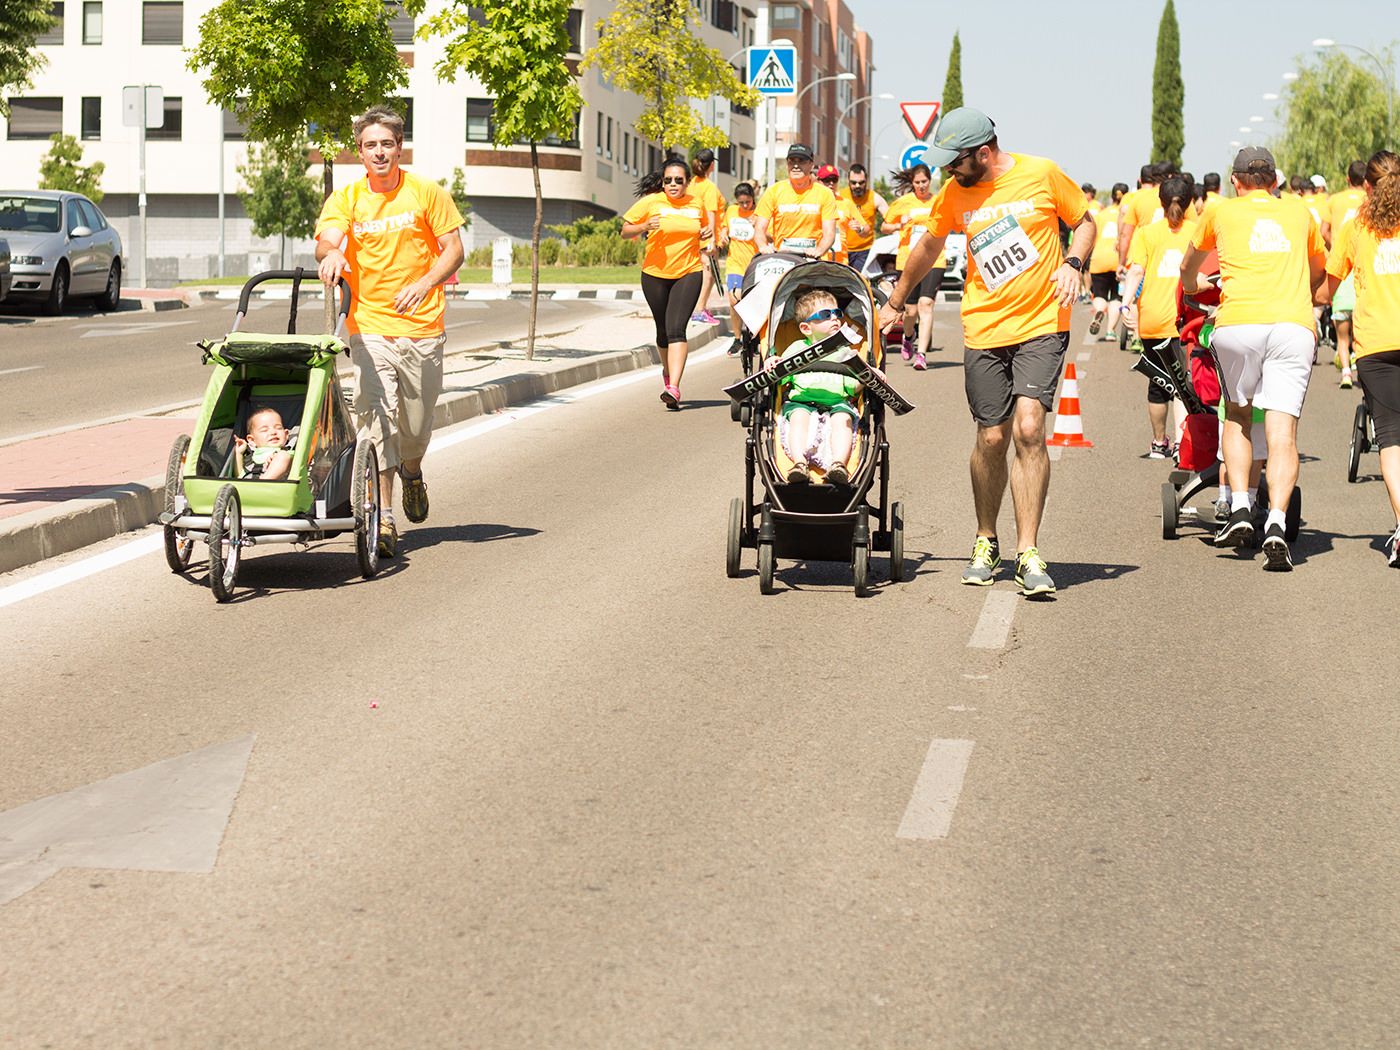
(1002, 251)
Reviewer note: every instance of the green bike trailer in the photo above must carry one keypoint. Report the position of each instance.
(332, 486)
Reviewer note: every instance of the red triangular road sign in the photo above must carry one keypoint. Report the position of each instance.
(920, 116)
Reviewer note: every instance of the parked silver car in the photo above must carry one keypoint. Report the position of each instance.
(61, 245)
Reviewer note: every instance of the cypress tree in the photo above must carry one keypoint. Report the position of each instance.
(952, 83)
(1168, 92)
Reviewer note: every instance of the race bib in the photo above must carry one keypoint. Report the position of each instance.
(767, 267)
(916, 232)
(798, 244)
(740, 230)
(1002, 251)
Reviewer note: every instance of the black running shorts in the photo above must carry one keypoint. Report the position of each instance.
(1380, 382)
(995, 378)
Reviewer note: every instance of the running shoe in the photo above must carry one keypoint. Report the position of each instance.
(1134, 345)
(799, 475)
(705, 317)
(736, 347)
(388, 538)
(1276, 555)
(920, 362)
(1238, 531)
(838, 474)
(671, 397)
(1032, 574)
(982, 569)
(1159, 450)
(1222, 509)
(1096, 323)
(1345, 384)
(415, 498)
(906, 349)
(1392, 550)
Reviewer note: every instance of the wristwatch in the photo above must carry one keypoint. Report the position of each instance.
(1075, 262)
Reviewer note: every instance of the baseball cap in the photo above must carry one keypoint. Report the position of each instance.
(800, 151)
(1254, 159)
(828, 171)
(1319, 181)
(963, 128)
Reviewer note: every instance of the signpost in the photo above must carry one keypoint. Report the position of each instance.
(143, 106)
(772, 72)
(920, 117)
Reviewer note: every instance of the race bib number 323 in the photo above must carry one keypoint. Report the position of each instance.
(1002, 251)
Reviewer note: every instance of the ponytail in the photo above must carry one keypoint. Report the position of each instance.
(903, 181)
(1380, 211)
(1175, 195)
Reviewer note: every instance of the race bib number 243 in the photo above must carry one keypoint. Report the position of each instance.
(1002, 251)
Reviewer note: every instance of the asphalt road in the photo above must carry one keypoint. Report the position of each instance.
(554, 781)
(86, 365)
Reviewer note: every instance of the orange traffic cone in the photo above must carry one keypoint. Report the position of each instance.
(1069, 428)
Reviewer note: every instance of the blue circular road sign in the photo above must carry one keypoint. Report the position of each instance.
(913, 154)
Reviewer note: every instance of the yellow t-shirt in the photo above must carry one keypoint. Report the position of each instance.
(391, 241)
(795, 218)
(911, 216)
(1159, 250)
(1013, 241)
(1146, 208)
(1265, 244)
(1105, 257)
(739, 225)
(707, 193)
(868, 206)
(673, 250)
(846, 214)
(1376, 263)
(1342, 208)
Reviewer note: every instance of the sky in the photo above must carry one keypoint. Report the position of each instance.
(1084, 99)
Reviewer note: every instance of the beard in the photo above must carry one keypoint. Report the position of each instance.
(978, 173)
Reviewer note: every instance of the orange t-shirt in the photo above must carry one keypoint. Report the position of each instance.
(1376, 263)
(868, 206)
(739, 225)
(846, 214)
(709, 195)
(795, 219)
(1105, 257)
(1013, 245)
(1265, 244)
(1342, 208)
(1145, 209)
(673, 250)
(391, 240)
(911, 215)
(1159, 249)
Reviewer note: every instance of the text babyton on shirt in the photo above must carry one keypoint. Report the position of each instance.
(392, 224)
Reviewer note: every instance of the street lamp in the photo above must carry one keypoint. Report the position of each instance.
(866, 98)
(771, 43)
(1387, 76)
(796, 114)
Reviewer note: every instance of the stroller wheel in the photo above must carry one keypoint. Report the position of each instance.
(1170, 512)
(225, 543)
(365, 501)
(735, 408)
(1358, 443)
(860, 554)
(735, 545)
(178, 547)
(897, 543)
(765, 568)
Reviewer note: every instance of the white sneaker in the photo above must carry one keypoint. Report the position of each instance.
(1392, 549)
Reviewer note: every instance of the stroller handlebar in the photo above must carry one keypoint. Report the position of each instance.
(296, 277)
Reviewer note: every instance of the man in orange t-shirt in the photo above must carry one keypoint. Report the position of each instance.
(797, 214)
(1271, 266)
(394, 236)
(1015, 311)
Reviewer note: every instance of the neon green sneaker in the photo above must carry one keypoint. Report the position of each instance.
(1032, 574)
(981, 571)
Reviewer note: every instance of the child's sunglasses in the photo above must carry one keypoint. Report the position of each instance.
(825, 315)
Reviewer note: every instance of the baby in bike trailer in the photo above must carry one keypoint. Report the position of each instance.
(266, 452)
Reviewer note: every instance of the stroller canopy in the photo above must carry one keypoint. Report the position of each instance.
(851, 290)
(250, 348)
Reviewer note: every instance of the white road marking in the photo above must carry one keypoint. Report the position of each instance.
(26, 368)
(107, 331)
(1083, 356)
(929, 814)
(995, 622)
(961, 708)
(81, 570)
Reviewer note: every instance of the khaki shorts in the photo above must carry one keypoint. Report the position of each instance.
(397, 384)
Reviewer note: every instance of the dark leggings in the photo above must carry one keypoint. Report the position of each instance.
(672, 301)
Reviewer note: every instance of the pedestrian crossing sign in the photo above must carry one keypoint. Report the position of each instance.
(773, 69)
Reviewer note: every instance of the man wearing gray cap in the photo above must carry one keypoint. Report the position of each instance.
(797, 214)
(1271, 264)
(1015, 312)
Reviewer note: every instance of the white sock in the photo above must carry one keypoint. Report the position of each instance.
(1240, 501)
(1276, 517)
(1224, 494)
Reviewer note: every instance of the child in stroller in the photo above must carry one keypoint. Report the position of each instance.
(265, 453)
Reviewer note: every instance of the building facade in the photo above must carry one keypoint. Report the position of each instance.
(98, 47)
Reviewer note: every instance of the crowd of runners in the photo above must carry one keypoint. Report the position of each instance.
(1296, 269)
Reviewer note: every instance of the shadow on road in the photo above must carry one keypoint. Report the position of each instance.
(421, 539)
(288, 572)
(1069, 574)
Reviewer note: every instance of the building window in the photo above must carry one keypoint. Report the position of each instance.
(636, 155)
(162, 22)
(787, 15)
(843, 48)
(608, 152)
(626, 152)
(725, 160)
(235, 130)
(598, 142)
(174, 126)
(92, 21)
(53, 34)
(481, 120)
(92, 118)
(404, 108)
(35, 118)
(571, 142)
(820, 36)
(573, 24)
(400, 22)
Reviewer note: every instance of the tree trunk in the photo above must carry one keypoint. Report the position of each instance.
(327, 188)
(535, 251)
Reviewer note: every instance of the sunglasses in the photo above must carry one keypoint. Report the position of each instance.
(678, 180)
(826, 315)
(832, 178)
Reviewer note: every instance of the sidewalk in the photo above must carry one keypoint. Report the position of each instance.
(64, 491)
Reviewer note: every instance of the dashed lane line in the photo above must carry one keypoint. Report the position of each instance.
(994, 625)
(929, 814)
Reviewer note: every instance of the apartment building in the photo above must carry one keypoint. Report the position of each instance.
(99, 46)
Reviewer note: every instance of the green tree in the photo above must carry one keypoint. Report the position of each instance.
(1332, 114)
(300, 69)
(517, 49)
(1168, 92)
(652, 49)
(61, 169)
(952, 83)
(21, 23)
(458, 192)
(281, 198)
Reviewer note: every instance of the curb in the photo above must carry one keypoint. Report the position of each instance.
(49, 532)
(621, 292)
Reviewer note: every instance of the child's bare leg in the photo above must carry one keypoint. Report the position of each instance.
(799, 434)
(843, 437)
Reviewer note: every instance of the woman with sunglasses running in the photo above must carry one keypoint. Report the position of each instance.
(673, 222)
(909, 215)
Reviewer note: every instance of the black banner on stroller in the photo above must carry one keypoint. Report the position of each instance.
(767, 379)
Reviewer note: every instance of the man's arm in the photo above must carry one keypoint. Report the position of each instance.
(1190, 267)
(1317, 272)
(329, 255)
(760, 235)
(828, 238)
(448, 263)
(1068, 280)
(921, 259)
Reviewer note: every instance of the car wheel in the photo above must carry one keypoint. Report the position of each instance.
(58, 292)
(112, 297)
